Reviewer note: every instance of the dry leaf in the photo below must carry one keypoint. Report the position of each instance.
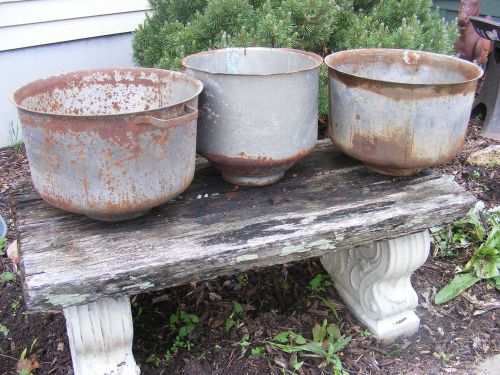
(27, 365)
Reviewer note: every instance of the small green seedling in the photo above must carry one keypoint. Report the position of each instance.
(241, 280)
(4, 330)
(331, 307)
(475, 175)
(184, 323)
(319, 283)
(154, 360)
(258, 351)
(3, 241)
(201, 357)
(366, 333)
(244, 343)
(234, 318)
(7, 276)
(15, 305)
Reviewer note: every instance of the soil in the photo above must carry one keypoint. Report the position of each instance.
(452, 337)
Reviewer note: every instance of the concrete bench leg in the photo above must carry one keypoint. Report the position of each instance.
(374, 281)
(100, 337)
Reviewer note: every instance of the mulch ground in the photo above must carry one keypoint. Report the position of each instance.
(452, 337)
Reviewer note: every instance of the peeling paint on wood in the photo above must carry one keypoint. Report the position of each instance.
(246, 258)
(65, 300)
(416, 220)
(140, 286)
(321, 244)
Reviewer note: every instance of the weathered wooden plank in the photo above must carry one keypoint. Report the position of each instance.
(326, 203)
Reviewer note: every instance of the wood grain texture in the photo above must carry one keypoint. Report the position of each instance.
(327, 202)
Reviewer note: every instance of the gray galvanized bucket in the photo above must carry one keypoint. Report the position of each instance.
(258, 112)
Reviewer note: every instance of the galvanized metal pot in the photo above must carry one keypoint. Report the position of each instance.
(110, 143)
(399, 111)
(258, 111)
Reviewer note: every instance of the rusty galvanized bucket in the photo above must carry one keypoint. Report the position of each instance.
(110, 143)
(399, 111)
(258, 111)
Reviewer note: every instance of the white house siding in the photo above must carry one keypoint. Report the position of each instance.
(39, 38)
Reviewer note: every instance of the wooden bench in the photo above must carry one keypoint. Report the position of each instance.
(370, 231)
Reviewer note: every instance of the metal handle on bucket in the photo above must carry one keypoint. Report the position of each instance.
(192, 114)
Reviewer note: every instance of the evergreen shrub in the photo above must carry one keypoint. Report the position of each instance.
(177, 28)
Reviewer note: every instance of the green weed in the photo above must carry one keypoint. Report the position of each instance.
(7, 276)
(184, 324)
(326, 343)
(318, 283)
(234, 318)
(4, 330)
(244, 343)
(481, 229)
(241, 280)
(154, 360)
(3, 242)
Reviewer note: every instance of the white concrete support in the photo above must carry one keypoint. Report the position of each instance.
(374, 282)
(100, 337)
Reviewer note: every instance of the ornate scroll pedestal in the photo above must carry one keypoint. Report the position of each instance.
(374, 281)
(100, 337)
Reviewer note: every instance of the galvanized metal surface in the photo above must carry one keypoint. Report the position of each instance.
(399, 111)
(110, 143)
(258, 110)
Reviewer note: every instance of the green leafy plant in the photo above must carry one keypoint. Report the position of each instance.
(330, 307)
(27, 364)
(244, 343)
(154, 360)
(481, 229)
(318, 283)
(201, 357)
(475, 175)
(7, 276)
(258, 351)
(15, 306)
(326, 343)
(366, 333)
(23, 359)
(4, 330)
(3, 241)
(234, 318)
(241, 280)
(184, 324)
(177, 28)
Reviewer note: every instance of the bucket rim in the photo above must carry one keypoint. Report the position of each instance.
(318, 60)
(478, 70)
(15, 100)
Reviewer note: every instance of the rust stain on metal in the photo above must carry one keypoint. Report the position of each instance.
(88, 154)
(252, 166)
(408, 109)
(401, 91)
(361, 61)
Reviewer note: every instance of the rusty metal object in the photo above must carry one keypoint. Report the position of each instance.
(489, 96)
(399, 111)
(110, 143)
(258, 111)
(469, 45)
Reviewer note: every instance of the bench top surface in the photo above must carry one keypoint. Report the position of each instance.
(327, 202)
